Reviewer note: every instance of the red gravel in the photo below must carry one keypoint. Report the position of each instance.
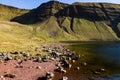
(29, 70)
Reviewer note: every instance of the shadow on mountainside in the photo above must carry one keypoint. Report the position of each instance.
(91, 11)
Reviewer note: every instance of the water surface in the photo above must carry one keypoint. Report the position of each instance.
(97, 55)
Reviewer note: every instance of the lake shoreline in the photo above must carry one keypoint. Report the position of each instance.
(52, 62)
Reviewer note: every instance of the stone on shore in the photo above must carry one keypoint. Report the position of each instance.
(49, 75)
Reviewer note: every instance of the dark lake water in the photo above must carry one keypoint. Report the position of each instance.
(110, 51)
(97, 55)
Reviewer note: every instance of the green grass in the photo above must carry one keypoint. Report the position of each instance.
(89, 30)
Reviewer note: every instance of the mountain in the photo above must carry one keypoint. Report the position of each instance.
(43, 12)
(77, 21)
(9, 12)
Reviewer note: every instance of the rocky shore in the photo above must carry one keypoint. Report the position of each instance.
(23, 66)
(56, 60)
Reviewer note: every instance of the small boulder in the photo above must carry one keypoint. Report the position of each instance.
(38, 67)
(7, 57)
(1, 54)
(84, 64)
(102, 70)
(49, 75)
(64, 78)
(73, 61)
(26, 54)
(61, 70)
(58, 65)
(38, 59)
(9, 75)
(1, 77)
(96, 72)
(76, 57)
(20, 62)
(77, 68)
(15, 52)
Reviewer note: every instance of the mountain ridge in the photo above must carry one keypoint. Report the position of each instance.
(77, 21)
(41, 13)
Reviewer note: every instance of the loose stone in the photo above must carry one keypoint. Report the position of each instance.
(64, 78)
(49, 75)
(77, 68)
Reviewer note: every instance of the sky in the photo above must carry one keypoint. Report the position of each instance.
(30, 4)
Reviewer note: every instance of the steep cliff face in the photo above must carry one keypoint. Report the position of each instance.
(91, 11)
(78, 21)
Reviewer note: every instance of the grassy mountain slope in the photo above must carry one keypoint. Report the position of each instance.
(78, 21)
(89, 30)
(92, 21)
(52, 31)
(17, 37)
(8, 12)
